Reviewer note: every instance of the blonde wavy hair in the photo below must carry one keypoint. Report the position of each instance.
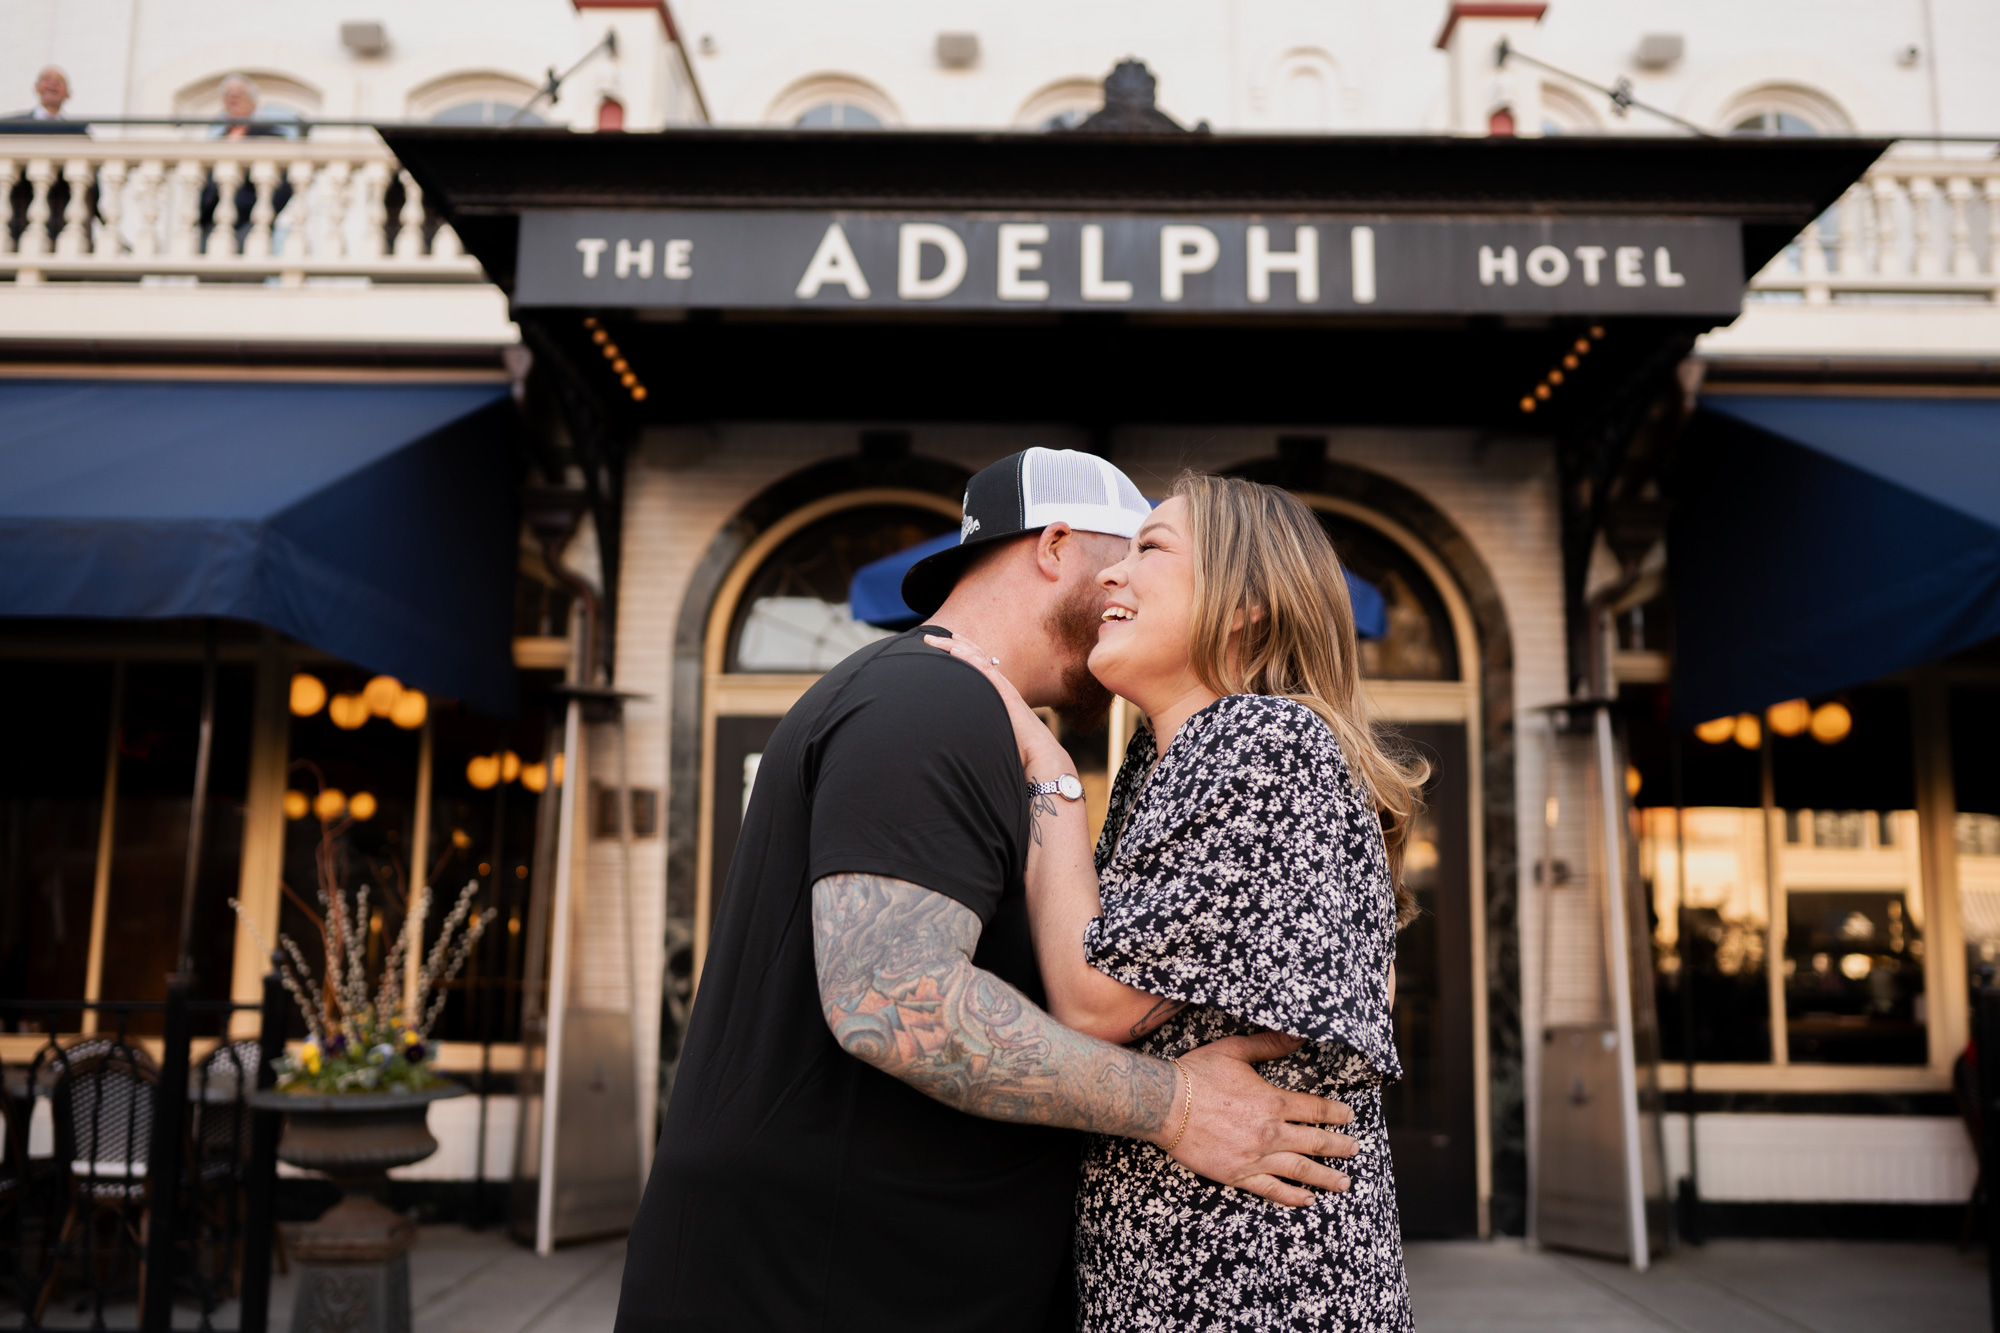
(1260, 551)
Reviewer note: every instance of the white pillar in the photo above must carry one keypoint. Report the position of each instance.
(1478, 86)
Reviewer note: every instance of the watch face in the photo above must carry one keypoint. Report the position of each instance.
(1071, 789)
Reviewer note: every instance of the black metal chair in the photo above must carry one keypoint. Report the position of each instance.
(103, 1106)
(220, 1172)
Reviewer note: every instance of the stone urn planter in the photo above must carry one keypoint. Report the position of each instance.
(354, 1261)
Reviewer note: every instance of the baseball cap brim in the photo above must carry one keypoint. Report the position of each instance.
(930, 581)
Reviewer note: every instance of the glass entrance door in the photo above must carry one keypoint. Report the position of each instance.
(1432, 1132)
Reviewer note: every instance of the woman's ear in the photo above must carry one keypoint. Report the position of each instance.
(1236, 618)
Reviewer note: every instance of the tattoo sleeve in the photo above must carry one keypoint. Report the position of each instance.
(899, 990)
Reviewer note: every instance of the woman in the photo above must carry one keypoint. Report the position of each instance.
(1248, 878)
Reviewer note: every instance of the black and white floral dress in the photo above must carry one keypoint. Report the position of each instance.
(1245, 874)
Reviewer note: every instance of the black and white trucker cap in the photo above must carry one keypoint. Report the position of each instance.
(1025, 493)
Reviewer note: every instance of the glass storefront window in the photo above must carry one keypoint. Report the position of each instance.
(794, 616)
(51, 812)
(1833, 782)
(1975, 739)
(1727, 924)
(489, 780)
(159, 730)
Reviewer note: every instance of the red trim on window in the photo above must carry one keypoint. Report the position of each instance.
(1470, 9)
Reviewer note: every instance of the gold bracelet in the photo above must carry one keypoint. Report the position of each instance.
(1187, 1107)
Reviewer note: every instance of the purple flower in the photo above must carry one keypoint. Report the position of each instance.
(336, 1044)
(414, 1052)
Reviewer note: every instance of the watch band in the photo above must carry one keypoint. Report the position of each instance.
(1067, 786)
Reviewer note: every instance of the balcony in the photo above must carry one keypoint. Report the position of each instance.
(1905, 266)
(327, 241)
(287, 241)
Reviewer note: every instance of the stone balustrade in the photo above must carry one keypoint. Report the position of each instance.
(288, 211)
(1918, 226)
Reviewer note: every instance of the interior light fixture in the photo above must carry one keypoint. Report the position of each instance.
(1528, 403)
(638, 393)
(1542, 392)
(296, 804)
(597, 335)
(329, 803)
(535, 777)
(1790, 717)
(349, 712)
(510, 766)
(380, 695)
(362, 805)
(410, 710)
(1831, 723)
(483, 770)
(1634, 780)
(308, 694)
(1749, 731)
(1716, 730)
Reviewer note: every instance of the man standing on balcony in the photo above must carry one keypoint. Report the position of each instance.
(46, 115)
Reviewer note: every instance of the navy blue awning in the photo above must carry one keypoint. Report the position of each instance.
(1820, 542)
(875, 595)
(375, 522)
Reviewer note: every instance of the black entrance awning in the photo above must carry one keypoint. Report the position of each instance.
(373, 521)
(1425, 361)
(1822, 541)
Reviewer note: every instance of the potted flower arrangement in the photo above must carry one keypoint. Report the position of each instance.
(355, 1094)
(356, 1091)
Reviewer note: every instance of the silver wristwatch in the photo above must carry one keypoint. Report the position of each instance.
(1067, 786)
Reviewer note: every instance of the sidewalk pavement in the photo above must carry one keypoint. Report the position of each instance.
(481, 1282)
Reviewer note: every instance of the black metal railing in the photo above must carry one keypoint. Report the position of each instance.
(134, 1185)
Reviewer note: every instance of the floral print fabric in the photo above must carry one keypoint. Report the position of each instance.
(1245, 874)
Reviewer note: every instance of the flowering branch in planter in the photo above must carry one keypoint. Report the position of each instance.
(361, 1039)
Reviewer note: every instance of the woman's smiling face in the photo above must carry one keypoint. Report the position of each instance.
(1142, 643)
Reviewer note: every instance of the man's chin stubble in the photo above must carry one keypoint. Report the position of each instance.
(1072, 629)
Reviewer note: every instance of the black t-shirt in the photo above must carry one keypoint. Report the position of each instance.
(795, 1186)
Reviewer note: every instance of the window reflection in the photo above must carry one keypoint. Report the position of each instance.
(1419, 644)
(51, 808)
(1844, 857)
(793, 616)
(1975, 739)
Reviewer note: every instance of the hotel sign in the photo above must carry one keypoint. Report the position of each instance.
(1246, 264)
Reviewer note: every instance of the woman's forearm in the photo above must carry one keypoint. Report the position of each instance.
(1062, 900)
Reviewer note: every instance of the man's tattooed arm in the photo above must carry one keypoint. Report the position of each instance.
(899, 990)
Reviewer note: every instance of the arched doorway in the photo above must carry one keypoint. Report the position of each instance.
(777, 623)
(1422, 682)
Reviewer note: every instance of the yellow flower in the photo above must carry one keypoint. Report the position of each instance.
(309, 1054)
(411, 1038)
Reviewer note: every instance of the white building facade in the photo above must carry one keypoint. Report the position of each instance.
(147, 250)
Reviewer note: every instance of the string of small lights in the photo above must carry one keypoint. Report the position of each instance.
(620, 367)
(1562, 370)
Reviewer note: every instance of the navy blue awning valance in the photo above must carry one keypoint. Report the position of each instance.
(875, 595)
(1819, 542)
(375, 522)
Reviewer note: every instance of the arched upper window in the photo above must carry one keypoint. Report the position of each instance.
(1563, 112)
(480, 98)
(834, 102)
(1061, 106)
(793, 614)
(837, 116)
(279, 96)
(1784, 110)
(1302, 93)
(1419, 643)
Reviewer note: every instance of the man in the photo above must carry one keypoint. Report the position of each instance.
(871, 1127)
(46, 116)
